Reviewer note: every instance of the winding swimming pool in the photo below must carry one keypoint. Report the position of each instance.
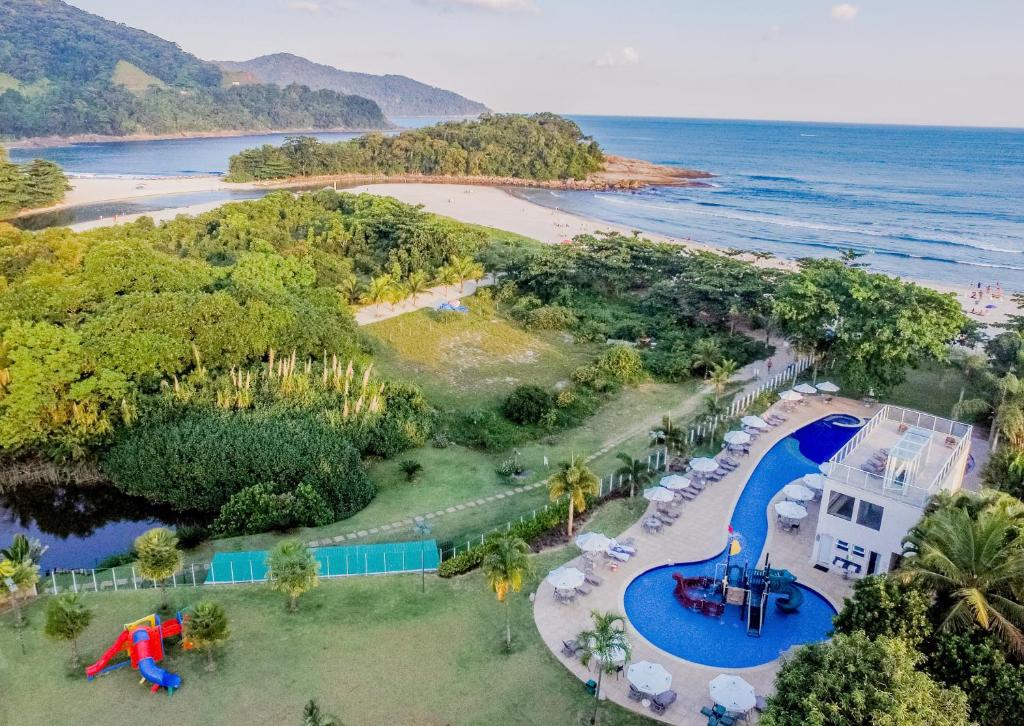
(722, 641)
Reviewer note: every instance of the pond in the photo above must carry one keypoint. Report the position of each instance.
(79, 525)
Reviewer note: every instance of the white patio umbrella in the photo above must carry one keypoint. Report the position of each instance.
(737, 438)
(566, 578)
(675, 482)
(805, 388)
(704, 464)
(732, 692)
(790, 395)
(798, 492)
(790, 510)
(593, 542)
(814, 482)
(659, 494)
(754, 422)
(827, 387)
(649, 677)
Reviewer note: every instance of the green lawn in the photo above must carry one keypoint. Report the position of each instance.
(371, 649)
(934, 388)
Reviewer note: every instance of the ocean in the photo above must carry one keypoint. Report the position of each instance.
(930, 203)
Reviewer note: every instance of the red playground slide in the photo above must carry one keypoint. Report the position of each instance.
(143, 642)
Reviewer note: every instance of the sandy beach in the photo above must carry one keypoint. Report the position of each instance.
(482, 205)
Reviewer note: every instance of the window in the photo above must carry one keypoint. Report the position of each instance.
(841, 505)
(870, 515)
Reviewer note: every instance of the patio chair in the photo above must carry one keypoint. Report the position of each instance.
(570, 648)
(635, 694)
(712, 718)
(760, 704)
(650, 528)
(662, 701)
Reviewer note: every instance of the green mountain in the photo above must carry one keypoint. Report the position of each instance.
(64, 71)
(396, 95)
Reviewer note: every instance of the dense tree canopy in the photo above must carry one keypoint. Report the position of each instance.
(873, 327)
(543, 147)
(23, 186)
(70, 72)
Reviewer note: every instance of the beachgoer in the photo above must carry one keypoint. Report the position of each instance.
(768, 365)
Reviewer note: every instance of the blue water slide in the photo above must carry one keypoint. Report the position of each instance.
(148, 668)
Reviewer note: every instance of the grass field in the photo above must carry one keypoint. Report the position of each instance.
(370, 649)
(934, 388)
(474, 360)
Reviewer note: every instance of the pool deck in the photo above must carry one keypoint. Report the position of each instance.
(699, 533)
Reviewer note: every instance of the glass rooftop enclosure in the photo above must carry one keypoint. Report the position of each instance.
(903, 454)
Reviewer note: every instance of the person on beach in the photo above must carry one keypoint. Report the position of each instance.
(768, 365)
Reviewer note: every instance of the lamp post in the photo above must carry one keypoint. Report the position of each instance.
(422, 528)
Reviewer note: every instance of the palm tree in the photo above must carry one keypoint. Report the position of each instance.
(206, 628)
(466, 268)
(67, 617)
(607, 644)
(714, 415)
(377, 291)
(292, 570)
(971, 366)
(397, 293)
(734, 315)
(721, 374)
(974, 563)
(416, 284)
(706, 353)
(506, 562)
(1007, 411)
(635, 469)
(575, 481)
(313, 715)
(158, 557)
(447, 276)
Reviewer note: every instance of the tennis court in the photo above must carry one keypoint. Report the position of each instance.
(341, 561)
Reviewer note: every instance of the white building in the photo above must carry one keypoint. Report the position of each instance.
(877, 486)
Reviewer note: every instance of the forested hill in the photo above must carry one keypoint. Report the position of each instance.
(64, 71)
(542, 147)
(396, 95)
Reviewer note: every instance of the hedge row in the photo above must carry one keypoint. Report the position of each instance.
(552, 518)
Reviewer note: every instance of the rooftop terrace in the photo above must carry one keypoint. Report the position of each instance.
(902, 454)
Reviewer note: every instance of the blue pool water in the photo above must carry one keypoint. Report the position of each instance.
(722, 642)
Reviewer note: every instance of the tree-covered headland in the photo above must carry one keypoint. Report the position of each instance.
(541, 147)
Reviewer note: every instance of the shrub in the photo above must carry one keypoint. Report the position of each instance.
(622, 364)
(487, 430)
(119, 559)
(260, 508)
(411, 469)
(440, 440)
(198, 461)
(527, 404)
(566, 398)
(191, 536)
(549, 317)
(882, 606)
(591, 377)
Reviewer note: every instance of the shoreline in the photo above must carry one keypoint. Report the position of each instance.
(44, 142)
(480, 204)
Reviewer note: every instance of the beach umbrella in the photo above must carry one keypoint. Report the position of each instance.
(806, 389)
(754, 422)
(798, 492)
(659, 494)
(790, 395)
(675, 482)
(827, 387)
(704, 464)
(566, 578)
(732, 692)
(649, 677)
(814, 482)
(737, 438)
(593, 542)
(790, 510)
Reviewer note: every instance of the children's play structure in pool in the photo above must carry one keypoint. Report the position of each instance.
(143, 643)
(745, 587)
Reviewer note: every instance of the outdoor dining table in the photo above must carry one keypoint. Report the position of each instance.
(653, 523)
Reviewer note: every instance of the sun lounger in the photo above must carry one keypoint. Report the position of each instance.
(664, 519)
(617, 555)
(628, 542)
(623, 547)
(667, 513)
(594, 579)
(583, 589)
(688, 494)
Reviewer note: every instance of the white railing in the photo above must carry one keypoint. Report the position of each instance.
(906, 492)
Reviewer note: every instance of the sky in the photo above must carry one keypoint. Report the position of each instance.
(946, 62)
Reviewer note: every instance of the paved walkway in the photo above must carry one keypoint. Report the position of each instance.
(687, 540)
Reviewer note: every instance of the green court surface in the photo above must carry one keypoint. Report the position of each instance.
(341, 561)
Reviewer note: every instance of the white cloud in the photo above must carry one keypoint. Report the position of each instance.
(845, 12)
(305, 6)
(628, 56)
